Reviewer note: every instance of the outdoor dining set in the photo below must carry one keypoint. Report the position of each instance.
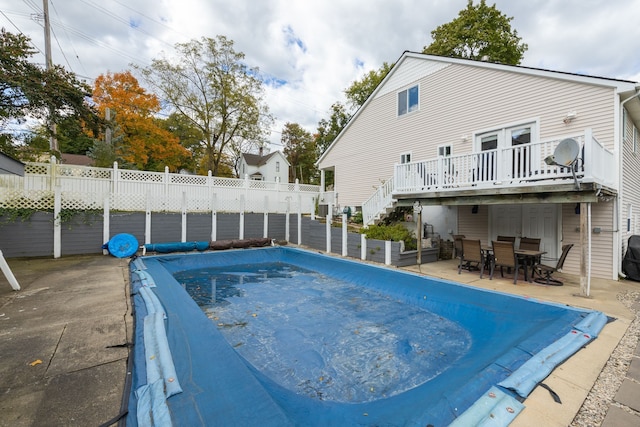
(503, 253)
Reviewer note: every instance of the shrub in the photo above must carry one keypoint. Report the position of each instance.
(395, 232)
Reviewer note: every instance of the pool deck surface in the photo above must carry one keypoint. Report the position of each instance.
(64, 335)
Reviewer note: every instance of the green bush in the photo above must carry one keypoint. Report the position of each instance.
(394, 232)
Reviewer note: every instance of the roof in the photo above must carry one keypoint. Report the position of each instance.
(626, 88)
(258, 160)
(76, 159)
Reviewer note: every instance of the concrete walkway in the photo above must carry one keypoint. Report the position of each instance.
(63, 363)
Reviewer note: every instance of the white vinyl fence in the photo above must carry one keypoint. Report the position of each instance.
(89, 188)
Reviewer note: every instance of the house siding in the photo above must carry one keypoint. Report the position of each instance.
(630, 195)
(474, 226)
(602, 244)
(456, 101)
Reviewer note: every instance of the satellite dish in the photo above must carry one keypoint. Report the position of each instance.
(566, 152)
(566, 155)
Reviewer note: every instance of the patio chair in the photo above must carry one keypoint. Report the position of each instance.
(511, 239)
(545, 273)
(457, 245)
(504, 255)
(472, 257)
(529, 244)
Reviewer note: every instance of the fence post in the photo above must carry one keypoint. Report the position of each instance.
(184, 216)
(105, 223)
(265, 223)
(363, 247)
(299, 225)
(313, 208)
(214, 219)
(8, 273)
(167, 178)
(57, 226)
(115, 179)
(147, 222)
(52, 173)
(345, 235)
(287, 221)
(387, 252)
(328, 233)
(242, 202)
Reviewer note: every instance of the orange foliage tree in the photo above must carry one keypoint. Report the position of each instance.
(137, 138)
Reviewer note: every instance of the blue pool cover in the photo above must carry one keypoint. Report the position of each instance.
(185, 372)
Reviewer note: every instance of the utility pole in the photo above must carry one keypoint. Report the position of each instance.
(53, 142)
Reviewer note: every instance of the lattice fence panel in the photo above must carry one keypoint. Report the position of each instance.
(81, 201)
(40, 200)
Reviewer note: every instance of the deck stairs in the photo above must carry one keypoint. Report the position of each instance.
(380, 204)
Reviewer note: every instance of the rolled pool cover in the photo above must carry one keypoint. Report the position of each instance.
(176, 246)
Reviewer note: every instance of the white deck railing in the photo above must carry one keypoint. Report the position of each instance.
(378, 202)
(85, 187)
(515, 166)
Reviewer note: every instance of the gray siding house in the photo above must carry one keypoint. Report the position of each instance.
(478, 139)
(11, 166)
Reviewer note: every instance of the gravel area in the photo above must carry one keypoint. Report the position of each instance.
(594, 409)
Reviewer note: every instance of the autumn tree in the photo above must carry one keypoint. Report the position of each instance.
(29, 90)
(209, 84)
(478, 32)
(299, 149)
(138, 140)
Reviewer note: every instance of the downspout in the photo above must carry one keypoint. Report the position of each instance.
(620, 181)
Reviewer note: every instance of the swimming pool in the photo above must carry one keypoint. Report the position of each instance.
(283, 336)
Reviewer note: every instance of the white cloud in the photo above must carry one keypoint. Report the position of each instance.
(314, 50)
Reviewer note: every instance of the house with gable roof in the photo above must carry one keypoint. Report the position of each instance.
(272, 167)
(500, 150)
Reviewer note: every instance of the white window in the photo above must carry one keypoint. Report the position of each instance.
(405, 158)
(444, 151)
(408, 100)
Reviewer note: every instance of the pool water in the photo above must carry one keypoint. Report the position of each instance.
(324, 338)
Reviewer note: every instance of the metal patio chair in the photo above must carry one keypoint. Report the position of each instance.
(457, 245)
(504, 255)
(544, 273)
(529, 244)
(472, 257)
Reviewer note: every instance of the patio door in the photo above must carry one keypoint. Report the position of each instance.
(522, 158)
(542, 221)
(528, 220)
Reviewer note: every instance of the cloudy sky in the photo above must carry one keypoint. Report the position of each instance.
(315, 49)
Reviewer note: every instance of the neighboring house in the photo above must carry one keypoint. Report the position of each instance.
(472, 137)
(11, 166)
(76, 159)
(269, 167)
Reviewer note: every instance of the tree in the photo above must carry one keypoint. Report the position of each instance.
(299, 149)
(360, 90)
(328, 130)
(209, 84)
(27, 90)
(479, 31)
(190, 137)
(138, 140)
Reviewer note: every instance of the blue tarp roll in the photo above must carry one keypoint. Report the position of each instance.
(122, 245)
